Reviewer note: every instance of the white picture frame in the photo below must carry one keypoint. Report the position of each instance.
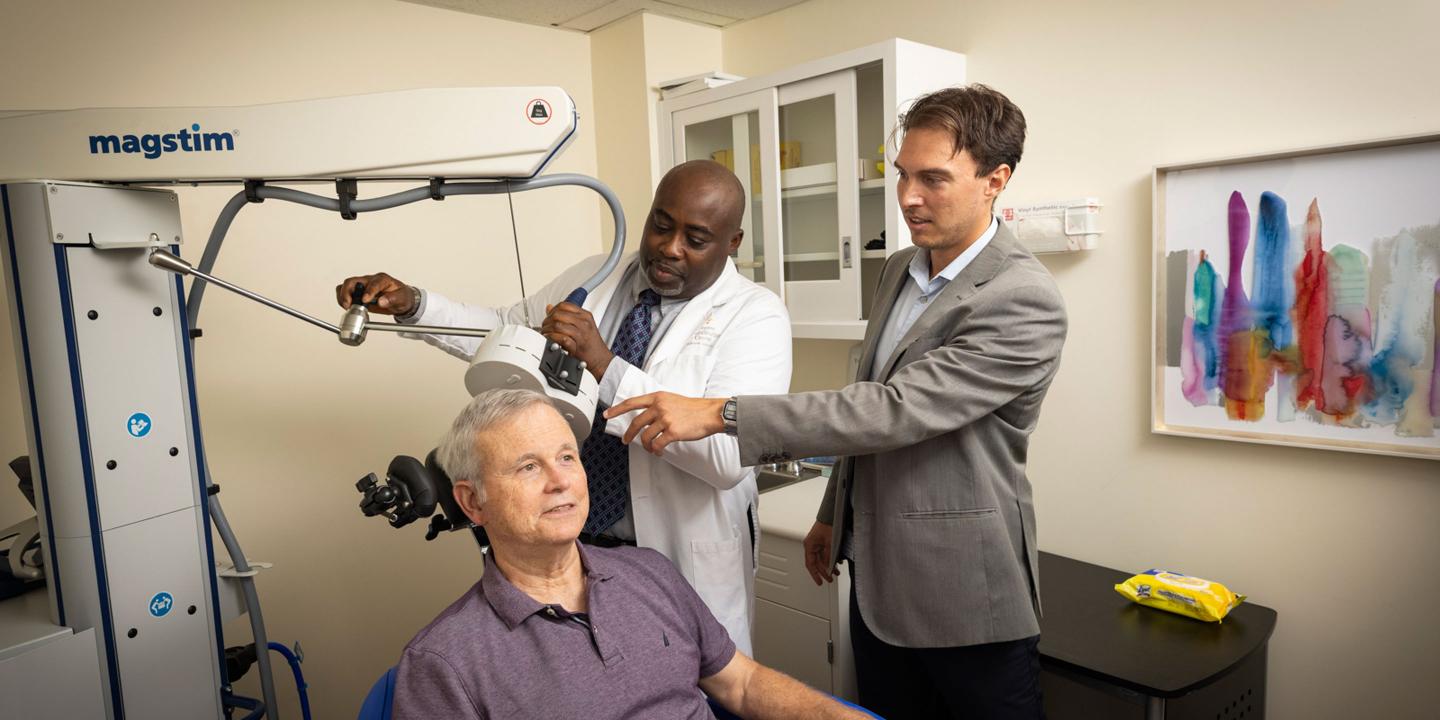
(1328, 389)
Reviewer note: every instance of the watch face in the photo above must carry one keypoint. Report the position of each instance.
(728, 412)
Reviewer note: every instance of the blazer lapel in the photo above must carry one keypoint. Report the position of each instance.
(897, 272)
(977, 273)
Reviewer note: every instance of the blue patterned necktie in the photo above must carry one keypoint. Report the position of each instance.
(606, 459)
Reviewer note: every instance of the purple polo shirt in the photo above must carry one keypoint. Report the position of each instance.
(638, 653)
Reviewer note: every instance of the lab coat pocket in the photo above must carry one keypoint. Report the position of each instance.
(720, 578)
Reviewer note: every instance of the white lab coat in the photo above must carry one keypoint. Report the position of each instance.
(691, 503)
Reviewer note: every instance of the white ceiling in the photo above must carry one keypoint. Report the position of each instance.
(587, 15)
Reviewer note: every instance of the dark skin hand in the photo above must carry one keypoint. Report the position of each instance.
(574, 328)
(383, 294)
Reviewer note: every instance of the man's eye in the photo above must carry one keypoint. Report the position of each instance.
(568, 457)
(696, 241)
(529, 467)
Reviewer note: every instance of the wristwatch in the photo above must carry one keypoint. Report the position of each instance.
(414, 305)
(728, 414)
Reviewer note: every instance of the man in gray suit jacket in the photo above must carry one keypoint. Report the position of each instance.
(932, 501)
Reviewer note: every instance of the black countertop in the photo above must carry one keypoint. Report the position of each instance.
(1090, 629)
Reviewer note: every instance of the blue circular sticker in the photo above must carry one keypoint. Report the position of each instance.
(138, 425)
(160, 604)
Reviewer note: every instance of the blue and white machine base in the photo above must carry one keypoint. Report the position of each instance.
(107, 385)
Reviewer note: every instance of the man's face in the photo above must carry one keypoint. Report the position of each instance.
(691, 229)
(944, 204)
(535, 492)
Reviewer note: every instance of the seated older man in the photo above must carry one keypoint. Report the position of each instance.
(556, 629)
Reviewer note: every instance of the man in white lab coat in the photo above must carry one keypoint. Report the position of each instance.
(678, 317)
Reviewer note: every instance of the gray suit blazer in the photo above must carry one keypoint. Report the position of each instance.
(934, 457)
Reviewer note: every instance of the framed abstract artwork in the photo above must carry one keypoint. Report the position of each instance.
(1297, 298)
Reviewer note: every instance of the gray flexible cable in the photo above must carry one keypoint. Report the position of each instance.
(405, 197)
(212, 254)
(252, 604)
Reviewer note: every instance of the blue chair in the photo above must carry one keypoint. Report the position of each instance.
(847, 703)
(377, 702)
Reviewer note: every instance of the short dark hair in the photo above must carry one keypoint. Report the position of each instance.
(981, 119)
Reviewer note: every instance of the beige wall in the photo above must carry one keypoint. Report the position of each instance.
(1343, 546)
(674, 49)
(630, 58)
(292, 418)
(617, 53)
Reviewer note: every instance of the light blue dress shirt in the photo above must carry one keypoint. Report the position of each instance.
(915, 297)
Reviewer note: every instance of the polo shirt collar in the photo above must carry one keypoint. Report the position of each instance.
(513, 606)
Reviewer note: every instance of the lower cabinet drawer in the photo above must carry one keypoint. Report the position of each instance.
(793, 642)
(782, 579)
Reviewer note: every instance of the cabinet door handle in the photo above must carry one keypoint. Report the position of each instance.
(845, 251)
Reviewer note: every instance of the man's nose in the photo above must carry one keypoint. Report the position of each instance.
(908, 196)
(671, 245)
(560, 479)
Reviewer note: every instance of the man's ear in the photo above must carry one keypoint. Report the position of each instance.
(469, 501)
(996, 181)
(735, 241)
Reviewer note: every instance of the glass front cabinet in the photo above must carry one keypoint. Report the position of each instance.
(811, 145)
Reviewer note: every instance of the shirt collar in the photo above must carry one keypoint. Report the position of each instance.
(920, 262)
(513, 606)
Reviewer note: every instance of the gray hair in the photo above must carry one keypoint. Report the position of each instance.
(458, 453)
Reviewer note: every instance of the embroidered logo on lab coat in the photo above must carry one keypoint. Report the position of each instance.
(706, 335)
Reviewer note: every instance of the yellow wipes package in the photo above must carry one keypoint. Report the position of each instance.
(1182, 594)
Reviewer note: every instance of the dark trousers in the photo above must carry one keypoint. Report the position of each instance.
(996, 681)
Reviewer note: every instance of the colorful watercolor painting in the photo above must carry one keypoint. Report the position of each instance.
(1299, 299)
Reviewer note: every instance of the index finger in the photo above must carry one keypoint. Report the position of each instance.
(377, 285)
(343, 290)
(812, 565)
(630, 404)
(567, 310)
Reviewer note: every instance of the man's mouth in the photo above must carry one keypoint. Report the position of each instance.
(915, 221)
(665, 272)
(560, 509)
